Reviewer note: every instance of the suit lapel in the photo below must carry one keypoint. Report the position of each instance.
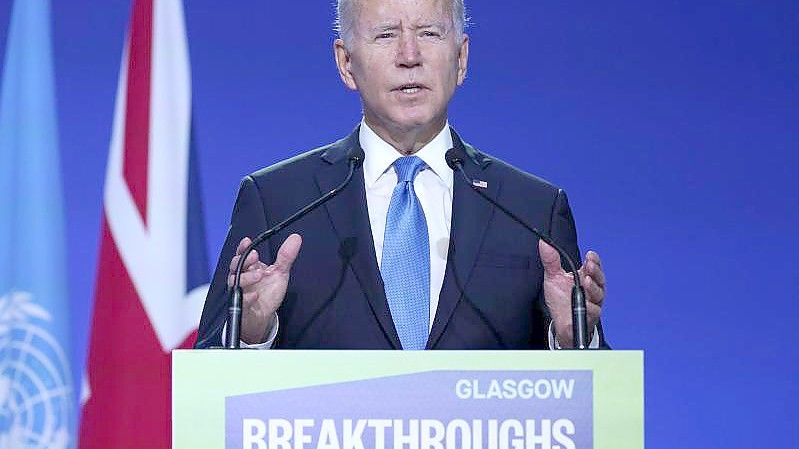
(350, 218)
(470, 218)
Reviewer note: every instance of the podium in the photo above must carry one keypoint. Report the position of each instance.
(277, 399)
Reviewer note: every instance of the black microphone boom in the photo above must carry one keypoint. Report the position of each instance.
(234, 311)
(579, 319)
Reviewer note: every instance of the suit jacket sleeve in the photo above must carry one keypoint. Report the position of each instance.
(248, 220)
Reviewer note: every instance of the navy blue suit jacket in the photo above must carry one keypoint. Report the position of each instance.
(492, 293)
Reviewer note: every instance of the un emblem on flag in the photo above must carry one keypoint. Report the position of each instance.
(35, 393)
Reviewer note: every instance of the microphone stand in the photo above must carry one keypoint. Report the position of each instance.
(579, 311)
(235, 308)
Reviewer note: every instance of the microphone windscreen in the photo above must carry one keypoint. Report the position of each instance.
(357, 155)
(453, 158)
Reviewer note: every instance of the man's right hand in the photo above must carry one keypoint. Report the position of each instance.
(264, 286)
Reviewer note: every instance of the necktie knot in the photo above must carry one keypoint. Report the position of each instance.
(408, 167)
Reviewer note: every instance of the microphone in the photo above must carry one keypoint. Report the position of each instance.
(355, 159)
(579, 318)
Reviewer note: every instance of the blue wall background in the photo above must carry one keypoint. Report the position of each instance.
(672, 125)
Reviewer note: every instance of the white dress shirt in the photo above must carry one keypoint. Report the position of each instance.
(433, 186)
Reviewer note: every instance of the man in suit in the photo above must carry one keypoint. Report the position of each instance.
(406, 256)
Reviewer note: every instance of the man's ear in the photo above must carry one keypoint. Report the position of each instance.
(463, 59)
(344, 64)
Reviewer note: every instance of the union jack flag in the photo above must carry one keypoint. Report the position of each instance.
(152, 270)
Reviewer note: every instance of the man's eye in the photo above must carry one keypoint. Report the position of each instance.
(385, 35)
(431, 34)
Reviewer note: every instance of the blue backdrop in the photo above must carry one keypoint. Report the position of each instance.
(671, 124)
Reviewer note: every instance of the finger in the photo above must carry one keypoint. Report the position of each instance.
(590, 268)
(594, 293)
(250, 278)
(243, 244)
(234, 264)
(550, 258)
(593, 256)
(256, 267)
(593, 311)
(287, 253)
(594, 259)
(251, 260)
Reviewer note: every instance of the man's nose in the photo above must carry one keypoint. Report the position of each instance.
(408, 54)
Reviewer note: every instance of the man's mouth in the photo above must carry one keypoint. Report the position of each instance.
(410, 88)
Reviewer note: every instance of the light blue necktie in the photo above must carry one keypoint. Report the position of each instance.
(405, 266)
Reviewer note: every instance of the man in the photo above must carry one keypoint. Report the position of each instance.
(406, 256)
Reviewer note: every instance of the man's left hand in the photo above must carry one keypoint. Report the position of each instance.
(558, 285)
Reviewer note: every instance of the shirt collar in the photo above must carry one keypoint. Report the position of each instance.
(380, 155)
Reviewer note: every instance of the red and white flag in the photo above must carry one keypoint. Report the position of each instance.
(152, 269)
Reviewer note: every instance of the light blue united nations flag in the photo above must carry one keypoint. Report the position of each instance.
(37, 405)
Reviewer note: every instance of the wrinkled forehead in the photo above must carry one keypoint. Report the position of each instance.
(375, 14)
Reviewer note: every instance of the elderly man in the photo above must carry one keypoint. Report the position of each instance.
(406, 256)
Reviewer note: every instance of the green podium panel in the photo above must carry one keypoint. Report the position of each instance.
(407, 399)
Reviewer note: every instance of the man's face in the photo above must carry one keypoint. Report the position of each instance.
(405, 58)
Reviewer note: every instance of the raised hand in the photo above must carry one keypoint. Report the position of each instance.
(558, 286)
(263, 286)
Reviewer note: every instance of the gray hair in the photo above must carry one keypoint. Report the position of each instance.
(345, 17)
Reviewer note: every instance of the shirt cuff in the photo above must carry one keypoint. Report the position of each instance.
(554, 344)
(265, 345)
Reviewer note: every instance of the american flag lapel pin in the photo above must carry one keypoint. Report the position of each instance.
(481, 184)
